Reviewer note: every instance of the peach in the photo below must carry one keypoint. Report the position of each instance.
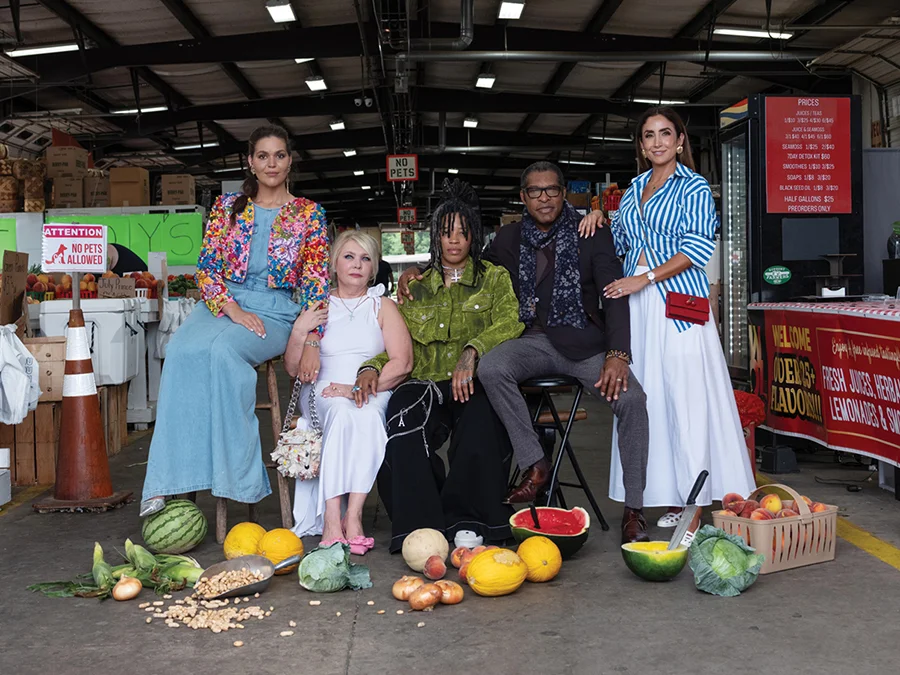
(788, 504)
(39, 287)
(729, 512)
(89, 277)
(142, 283)
(109, 274)
(51, 287)
(148, 276)
(479, 549)
(136, 275)
(745, 508)
(818, 507)
(464, 564)
(730, 498)
(772, 503)
(787, 513)
(762, 514)
(82, 285)
(807, 500)
(456, 556)
(31, 280)
(435, 568)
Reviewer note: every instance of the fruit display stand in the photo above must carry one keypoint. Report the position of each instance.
(790, 542)
(32, 444)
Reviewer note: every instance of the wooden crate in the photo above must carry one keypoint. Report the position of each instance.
(33, 445)
(50, 354)
(114, 416)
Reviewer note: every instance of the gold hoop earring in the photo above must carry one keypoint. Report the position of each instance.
(643, 153)
(679, 149)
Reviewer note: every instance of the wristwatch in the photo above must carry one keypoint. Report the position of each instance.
(312, 343)
(651, 277)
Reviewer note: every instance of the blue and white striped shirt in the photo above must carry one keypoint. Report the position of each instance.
(680, 218)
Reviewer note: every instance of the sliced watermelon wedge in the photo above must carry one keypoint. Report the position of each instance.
(567, 529)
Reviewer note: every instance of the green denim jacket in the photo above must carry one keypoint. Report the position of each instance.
(443, 321)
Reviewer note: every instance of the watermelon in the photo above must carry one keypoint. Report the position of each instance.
(567, 529)
(651, 561)
(178, 528)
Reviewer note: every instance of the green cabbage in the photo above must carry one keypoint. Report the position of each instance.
(723, 564)
(326, 570)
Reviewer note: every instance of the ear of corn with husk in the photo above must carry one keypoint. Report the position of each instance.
(165, 573)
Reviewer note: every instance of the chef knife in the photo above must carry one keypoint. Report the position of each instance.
(690, 509)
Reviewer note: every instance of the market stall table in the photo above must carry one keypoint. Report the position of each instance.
(143, 391)
(830, 373)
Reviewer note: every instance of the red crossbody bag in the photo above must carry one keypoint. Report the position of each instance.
(679, 306)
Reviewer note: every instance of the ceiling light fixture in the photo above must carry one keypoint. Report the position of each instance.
(47, 49)
(751, 32)
(617, 139)
(452, 170)
(143, 111)
(470, 122)
(281, 11)
(349, 152)
(365, 187)
(576, 161)
(510, 10)
(337, 125)
(359, 173)
(485, 81)
(316, 83)
(303, 60)
(656, 101)
(233, 168)
(197, 146)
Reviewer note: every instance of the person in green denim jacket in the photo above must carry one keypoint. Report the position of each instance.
(461, 309)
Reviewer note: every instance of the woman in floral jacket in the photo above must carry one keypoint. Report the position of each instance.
(259, 246)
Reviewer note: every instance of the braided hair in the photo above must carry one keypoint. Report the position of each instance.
(459, 199)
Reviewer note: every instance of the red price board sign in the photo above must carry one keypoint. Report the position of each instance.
(402, 167)
(406, 215)
(808, 155)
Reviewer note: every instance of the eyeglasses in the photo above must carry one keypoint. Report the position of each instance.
(551, 191)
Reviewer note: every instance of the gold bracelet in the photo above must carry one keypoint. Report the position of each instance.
(618, 354)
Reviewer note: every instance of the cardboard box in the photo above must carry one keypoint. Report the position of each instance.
(129, 186)
(510, 218)
(178, 189)
(580, 200)
(96, 192)
(68, 193)
(66, 162)
(50, 354)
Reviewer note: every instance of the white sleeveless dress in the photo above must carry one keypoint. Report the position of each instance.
(353, 439)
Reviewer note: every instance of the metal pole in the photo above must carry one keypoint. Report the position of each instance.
(76, 290)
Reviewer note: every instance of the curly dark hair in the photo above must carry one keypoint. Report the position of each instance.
(459, 199)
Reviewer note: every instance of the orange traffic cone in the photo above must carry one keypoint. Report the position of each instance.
(82, 469)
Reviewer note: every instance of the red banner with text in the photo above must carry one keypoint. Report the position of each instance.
(832, 378)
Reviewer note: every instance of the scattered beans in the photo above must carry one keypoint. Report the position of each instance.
(238, 643)
(158, 603)
(370, 603)
(380, 611)
(167, 597)
(337, 613)
(148, 620)
(143, 605)
(399, 611)
(286, 633)
(315, 603)
(212, 618)
(149, 609)
(226, 581)
(292, 624)
(420, 624)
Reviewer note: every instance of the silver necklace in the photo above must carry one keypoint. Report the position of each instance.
(456, 273)
(355, 307)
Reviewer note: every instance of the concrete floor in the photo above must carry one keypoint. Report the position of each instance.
(596, 617)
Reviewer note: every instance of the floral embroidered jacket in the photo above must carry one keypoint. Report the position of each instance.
(298, 252)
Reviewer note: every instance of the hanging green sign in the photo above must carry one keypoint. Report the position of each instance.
(7, 235)
(777, 275)
(179, 235)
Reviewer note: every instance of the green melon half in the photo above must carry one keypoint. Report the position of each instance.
(567, 529)
(651, 561)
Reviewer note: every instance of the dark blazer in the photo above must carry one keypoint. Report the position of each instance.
(609, 327)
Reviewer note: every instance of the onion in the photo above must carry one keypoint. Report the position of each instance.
(451, 592)
(127, 588)
(425, 597)
(404, 587)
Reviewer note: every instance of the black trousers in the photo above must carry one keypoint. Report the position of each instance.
(414, 484)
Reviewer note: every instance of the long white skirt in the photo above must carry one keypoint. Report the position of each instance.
(353, 442)
(694, 423)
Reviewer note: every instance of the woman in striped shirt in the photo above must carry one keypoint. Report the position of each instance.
(665, 228)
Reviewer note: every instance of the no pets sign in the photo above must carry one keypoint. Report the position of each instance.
(74, 248)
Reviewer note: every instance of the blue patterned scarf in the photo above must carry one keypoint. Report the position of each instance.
(566, 307)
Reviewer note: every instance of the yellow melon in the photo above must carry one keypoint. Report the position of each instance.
(243, 539)
(542, 557)
(496, 572)
(279, 544)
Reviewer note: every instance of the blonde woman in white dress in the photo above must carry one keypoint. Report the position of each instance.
(361, 324)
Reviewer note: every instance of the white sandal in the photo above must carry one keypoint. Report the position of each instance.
(669, 519)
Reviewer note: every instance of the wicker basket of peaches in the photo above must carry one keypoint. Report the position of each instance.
(791, 532)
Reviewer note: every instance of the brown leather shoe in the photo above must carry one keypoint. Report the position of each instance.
(634, 527)
(533, 480)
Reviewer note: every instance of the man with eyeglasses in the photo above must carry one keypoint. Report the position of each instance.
(559, 279)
